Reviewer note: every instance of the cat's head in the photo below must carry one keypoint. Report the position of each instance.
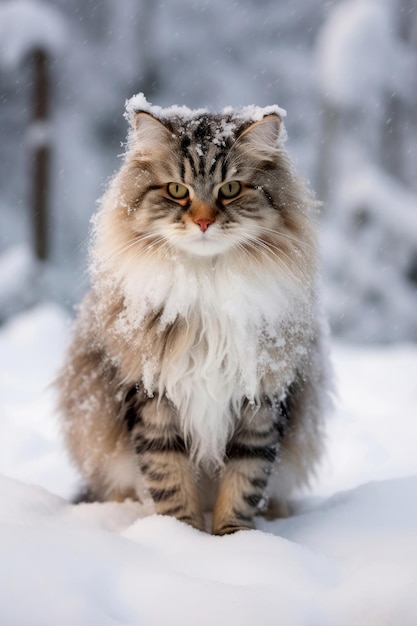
(205, 185)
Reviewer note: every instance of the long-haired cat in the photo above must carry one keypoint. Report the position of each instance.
(196, 369)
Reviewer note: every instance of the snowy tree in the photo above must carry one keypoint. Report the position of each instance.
(205, 53)
(367, 78)
(345, 71)
(32, 33)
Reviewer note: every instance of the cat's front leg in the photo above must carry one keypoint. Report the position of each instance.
(164, 463)
(249, 458)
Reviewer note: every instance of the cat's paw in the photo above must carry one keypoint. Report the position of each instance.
(194, 521)
(276, 509)
(230, 529)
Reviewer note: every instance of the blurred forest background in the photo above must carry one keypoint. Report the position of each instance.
(345, 71)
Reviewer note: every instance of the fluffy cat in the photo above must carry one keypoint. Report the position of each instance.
(196, 375)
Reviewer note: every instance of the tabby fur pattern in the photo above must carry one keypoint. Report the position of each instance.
(196, 376)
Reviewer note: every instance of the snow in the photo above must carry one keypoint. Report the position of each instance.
(18, 277)
(139, 102)
(31, 347)
(26, 26)
(348, 556)
(249, 113)
(358, 56)
(344, 70)
(369, 235)
(377, 221)
(356, 51)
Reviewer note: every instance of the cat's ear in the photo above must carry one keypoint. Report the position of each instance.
(149, 134)
(263, 135)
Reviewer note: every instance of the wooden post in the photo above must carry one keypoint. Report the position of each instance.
(40, 154)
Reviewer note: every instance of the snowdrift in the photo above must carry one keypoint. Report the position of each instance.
(348, 556)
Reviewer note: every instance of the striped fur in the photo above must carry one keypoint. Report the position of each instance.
(196, 375)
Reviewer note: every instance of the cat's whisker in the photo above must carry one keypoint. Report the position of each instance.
(279, 233)
(280, 252)
(162, 248)
(249, 243)
(242, 251)
(269, 244)
(270, 250)
(122, 249)
(136, 241)
(260, 246)
(267, 253)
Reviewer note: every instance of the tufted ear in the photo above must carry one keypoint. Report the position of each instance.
(149, 134)
(263, 135)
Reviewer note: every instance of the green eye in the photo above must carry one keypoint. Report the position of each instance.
(231, 189)
(177, 191)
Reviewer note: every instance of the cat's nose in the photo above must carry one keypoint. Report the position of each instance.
(204, 224)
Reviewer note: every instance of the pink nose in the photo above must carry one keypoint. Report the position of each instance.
(204, 224)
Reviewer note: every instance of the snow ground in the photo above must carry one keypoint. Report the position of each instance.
(348, 557)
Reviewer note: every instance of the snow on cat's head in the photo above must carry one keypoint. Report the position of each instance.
(198, 184)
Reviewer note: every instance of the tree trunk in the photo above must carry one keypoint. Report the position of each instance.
(40, 154)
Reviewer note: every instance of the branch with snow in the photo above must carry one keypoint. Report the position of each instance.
(27, 25)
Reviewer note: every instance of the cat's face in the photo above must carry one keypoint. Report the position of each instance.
(208, 185)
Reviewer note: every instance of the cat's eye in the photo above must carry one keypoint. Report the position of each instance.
(230, 190)
(177, 191)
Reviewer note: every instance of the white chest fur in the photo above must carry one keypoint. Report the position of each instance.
(233, 319)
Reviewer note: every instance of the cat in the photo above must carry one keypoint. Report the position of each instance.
(196, 378)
